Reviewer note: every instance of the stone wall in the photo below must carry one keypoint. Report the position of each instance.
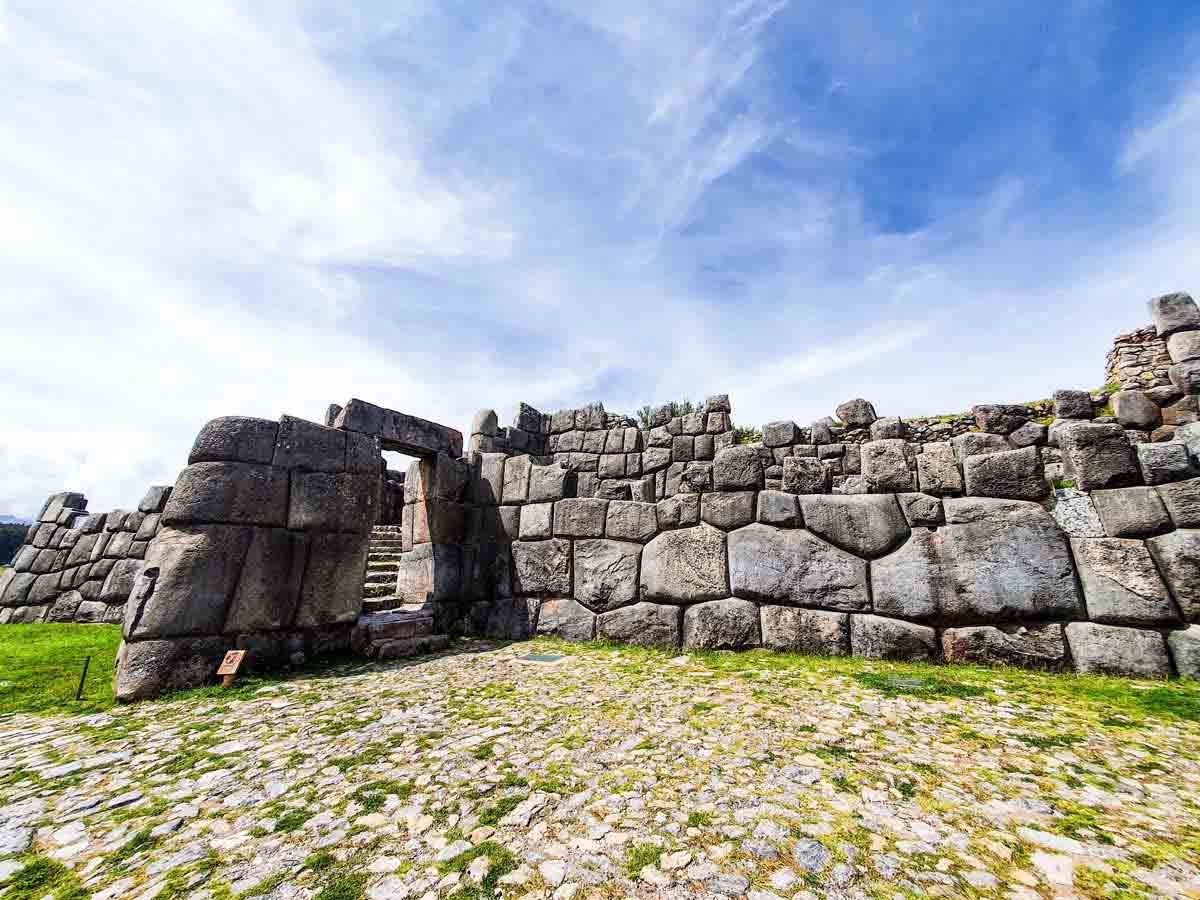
(79, 567)
(1051, 534)
(1138, 360)
(262, 547)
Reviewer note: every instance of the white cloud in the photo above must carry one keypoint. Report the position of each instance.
(212, 209)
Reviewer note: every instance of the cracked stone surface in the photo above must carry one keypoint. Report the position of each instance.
(618, 773)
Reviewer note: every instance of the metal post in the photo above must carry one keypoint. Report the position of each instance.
(87, 661)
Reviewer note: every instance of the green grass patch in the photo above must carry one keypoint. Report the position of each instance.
(42, 877)
(344, 887)
(372, 795)
(1050, 741)
(42, 665)
(320, 861)
(640, 856)
(501, 861)
(697, 819)
(925, 685)
(292, 820)
(139, 843)
(492, 815)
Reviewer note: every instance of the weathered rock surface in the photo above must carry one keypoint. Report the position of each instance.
(580, 517)
(685, 566)
(541, 566)
(1008, 474)
(1131, 512)
(728, 624)
(865, 525)
(737, 469)
(1178, 558)
(235, 439)
(778, 508)
(149, 668)
(606, 573)
(727, 510)
(875, 637)
(1185, 651)
(566, 619)
(1026, 646)
(999, 418)
(805, 630)
(805, 475)
(1113, 650)
(1182, 500)
(1098, 456)
(937, 470)
(228, 493)
(1073, 405)
(1121, 584)
(1174, 312)
(790, 567)
(630, 520)
(885, 464)
(1164, 462)
(857, 413)
(643, 625)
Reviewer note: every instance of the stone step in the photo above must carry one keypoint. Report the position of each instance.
(405, 647)
(372, 605)
(380, 576)
(378, 590)
(386, 529)
(383, 559)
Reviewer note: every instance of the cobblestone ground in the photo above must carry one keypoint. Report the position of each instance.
(609, 774)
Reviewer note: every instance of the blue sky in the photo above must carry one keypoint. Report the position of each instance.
(218, 208)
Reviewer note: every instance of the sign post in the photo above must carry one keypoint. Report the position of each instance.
(229, 666)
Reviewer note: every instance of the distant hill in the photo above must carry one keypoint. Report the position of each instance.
(11, 538)
(14, 520)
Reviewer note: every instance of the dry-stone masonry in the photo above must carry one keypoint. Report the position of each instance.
(1058, 534)
(77, 566)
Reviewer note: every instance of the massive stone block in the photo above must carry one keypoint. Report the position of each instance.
(1174, 312)
(1112, 650)
(517, 470)
(269, 587)
(995, 561)
(324, 501)
(400, 432)
(332, 589)
(778, 508)
(1165, 462)
(728, 624)
(228, 493)
(679, 511)
(1008, 474)
(1136, 410)
(187, 582)
(789, 567)
(885, 464)
(630, 520)
(974, 443)
(780, 434)
(119, 583)
(235, 439)
(685, 566)
(805, 475)
(1131, 512)
(580, 517)
(541, 567)
(536, 522)
(856, 413)
(865, 525)
(606, 573)
(1027, 646)
(875, 637)
(1097, 456)
(737, 469)
(306, 445)
(549, 483)
(566, 619)
(1010, 559)
(937, 470)
(1178, 558)
(1182, 500)
(1121, 584)
(643, 624)
(805, 630)
(1073, 405)
(1185, 650)
(149, 668)
(433, 573)
(727, 510)
(999, 418)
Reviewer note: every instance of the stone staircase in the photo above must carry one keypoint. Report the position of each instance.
(397, 633)
(383, 559)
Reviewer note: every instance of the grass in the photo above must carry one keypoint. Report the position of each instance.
(42, 877)
(640, 856)
(1111, 701)
(42, 665)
